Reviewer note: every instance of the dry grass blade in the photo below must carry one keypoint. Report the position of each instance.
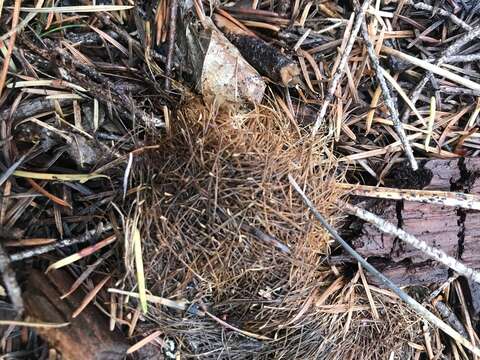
(109, 39)
(404, 96)
(53, 83)
(179, 305)
(369, 294)
(52, 197)
(240, 331)
(91, 268)
(373, 106)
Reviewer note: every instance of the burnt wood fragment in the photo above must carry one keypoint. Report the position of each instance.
(265, 58)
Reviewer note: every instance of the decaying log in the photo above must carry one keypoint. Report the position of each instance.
(265, 58)
(453, 230)
(88, 335)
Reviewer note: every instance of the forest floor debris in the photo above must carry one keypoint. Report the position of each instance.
(146, 152)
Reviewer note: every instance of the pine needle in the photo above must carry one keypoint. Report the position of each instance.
(81, 254)
(76, 9)
(431, 121)
(58, 177)
(137, 250)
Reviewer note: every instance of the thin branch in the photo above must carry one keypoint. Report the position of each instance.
(453, 18)
(341, 67)
(422, 311)
(397, 124)
(61, 244)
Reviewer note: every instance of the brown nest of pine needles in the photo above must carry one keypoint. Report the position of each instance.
(233, 254)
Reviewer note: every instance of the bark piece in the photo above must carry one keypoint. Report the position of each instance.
(455, 231)
(87, 337)
(436, 225)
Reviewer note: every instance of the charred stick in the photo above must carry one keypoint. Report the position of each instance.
(172, 29)
(456, 20)
(265, 58)
(379, 72)
(341, 67)
(30, 108)
(417, 307)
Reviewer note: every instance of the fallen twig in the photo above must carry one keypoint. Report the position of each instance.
(26, 254)
(418, 308)
(379, 72)
(456, 20)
